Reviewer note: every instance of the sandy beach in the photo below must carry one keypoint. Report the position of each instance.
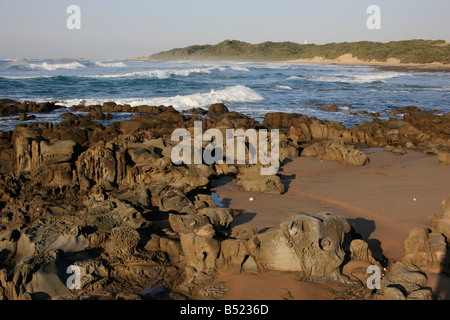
(377, 198)
(389, 64)
(383, 202)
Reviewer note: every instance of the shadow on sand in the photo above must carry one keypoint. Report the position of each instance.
(363, 228)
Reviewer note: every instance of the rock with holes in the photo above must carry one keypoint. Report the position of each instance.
(243, 232)
(172, 199)
(218, 216)
(125, 241)
(201, 252)
(191, 223)
(234, 255)
(310, 244)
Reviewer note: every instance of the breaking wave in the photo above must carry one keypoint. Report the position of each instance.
(237, 93)
(358, 78)
(45, 66)
(281, 87)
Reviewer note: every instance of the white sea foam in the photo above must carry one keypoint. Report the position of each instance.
(237, 68)
(281, 87)
(237, 93)
(24, 77)
(157, 74)
(358, 78)
(120, 64)
(167, 73)
(52, 66)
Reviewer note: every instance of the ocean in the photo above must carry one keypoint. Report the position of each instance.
(250, 88)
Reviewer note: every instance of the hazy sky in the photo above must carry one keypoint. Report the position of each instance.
(112, 29)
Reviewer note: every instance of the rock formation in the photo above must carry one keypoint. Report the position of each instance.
(110, 201)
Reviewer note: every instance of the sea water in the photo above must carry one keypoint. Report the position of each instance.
(250, 88)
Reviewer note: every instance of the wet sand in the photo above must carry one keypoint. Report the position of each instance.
(271, 286)
(383, 201)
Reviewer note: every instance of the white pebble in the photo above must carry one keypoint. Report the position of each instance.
(251, 199)
(414, 199)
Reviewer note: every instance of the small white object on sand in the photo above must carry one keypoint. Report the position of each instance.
(251, 199)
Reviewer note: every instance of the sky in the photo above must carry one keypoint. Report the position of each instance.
(117, 29)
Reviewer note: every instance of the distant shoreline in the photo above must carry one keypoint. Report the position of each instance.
(424, 55)
(391, 64)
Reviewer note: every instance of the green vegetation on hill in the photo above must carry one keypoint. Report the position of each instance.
(411, 51)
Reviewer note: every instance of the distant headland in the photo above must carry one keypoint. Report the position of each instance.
(415, 54)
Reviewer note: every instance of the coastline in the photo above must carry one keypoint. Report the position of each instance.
(391, 64)
(367, 189)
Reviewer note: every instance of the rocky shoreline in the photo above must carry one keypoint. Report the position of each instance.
(110, 201)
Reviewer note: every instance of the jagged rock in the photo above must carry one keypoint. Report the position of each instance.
(136, 198)
(50, 234)
(109, 214)
(202, 201)
(217, 110)
(98, 115)
(398, 150)
(226, 169)
(169, 246)
(360, 251)
(250, 179)
(441, 224)
(97, 165)
(218, 216)
(8, 246)
(336, 150)
(404, 281)
(190, 223)
(289, 152)
(243, 232)
(194, 281)
(172, 199)
(201, 252)
(233, 256)
(42, 277)
(125, 240)
(424, 248)
(310, 244)
(150, 165)
(142, 156)
(277, 120)
(58, 152)
(195, 111)
(31, 153)
(332, 108)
